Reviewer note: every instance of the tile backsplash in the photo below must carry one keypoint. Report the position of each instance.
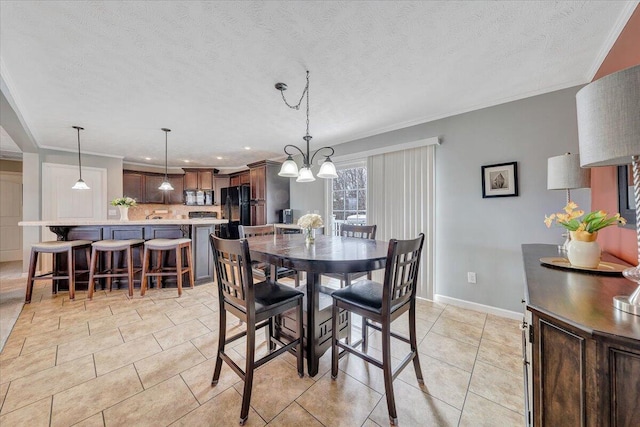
(141, 211)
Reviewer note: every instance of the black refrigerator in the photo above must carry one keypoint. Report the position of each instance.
(235, 208)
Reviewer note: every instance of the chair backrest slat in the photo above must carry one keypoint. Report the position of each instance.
(234, 276)
(362, 231)
(401, 272)
(256, 230)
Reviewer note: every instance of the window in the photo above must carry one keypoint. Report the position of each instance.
(349, 195)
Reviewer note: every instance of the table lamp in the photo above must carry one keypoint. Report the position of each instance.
(609, 134)
(564, 173)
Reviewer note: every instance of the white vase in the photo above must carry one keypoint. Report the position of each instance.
(581, 253)
(124, 213)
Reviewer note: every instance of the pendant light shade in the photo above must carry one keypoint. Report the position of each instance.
(166, 185)
(305, 175)
(289, 168)
(327, 170)
(80, 184)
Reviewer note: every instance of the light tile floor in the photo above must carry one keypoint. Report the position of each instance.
(117, 361)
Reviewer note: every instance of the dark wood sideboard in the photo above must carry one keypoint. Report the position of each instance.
(585, 353)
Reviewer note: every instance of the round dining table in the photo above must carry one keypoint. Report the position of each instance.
(329, 254)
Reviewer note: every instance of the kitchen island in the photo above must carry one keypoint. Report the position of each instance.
(197, 230)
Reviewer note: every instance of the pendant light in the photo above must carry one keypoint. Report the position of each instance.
(80, 184)
(289, 168)
(166, 185)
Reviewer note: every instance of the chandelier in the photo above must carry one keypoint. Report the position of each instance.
(289, 168)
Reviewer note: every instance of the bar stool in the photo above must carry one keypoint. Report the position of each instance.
(110, 271)
(56, 247)
(160, 245)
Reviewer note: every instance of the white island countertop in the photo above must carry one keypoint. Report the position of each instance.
(71, 222)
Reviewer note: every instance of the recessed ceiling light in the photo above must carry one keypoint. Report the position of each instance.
(187, 161)
(219, 158)
(147, 158)
(247, 148)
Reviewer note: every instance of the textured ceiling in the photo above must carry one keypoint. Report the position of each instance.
(207, 70)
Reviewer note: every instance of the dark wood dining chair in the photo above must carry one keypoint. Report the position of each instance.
(262, 269)
(383, 303)
(256, 305)
(358, 231)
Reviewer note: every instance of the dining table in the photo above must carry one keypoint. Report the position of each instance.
(328, 254)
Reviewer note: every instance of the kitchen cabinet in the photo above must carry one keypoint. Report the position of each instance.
(585, 353)
(133, 185)
(269, 192)
(239, 178)
(143, 187)
(198, 179)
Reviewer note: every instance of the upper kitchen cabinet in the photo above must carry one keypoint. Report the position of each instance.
(198, 179)
(239, 178)
(269, 192)
(133, 185)
(143, 186)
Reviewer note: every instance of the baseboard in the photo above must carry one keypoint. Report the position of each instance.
(478, 307)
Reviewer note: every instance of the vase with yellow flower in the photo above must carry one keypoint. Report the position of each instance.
(309, 223)
(583, 249)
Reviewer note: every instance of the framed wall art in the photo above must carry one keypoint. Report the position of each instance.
(500, 180)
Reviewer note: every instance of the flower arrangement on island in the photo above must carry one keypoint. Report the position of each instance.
(575, 220)
(127, 202)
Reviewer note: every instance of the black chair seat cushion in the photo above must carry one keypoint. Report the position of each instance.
(269, 294)
(365, 294)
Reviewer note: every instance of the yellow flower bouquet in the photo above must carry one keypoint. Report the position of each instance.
(574, 219)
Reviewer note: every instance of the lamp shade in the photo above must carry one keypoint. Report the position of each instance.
(80, 185)
(305, 175)
(609, 119)
(327, 170)
(289, 168)
(564, 173)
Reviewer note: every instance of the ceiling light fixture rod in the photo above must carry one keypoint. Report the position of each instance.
(289, 167)
(166, 185)
(80, 184)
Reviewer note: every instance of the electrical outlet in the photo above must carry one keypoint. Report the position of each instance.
(471, 277)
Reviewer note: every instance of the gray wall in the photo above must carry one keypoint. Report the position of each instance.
(476, 234)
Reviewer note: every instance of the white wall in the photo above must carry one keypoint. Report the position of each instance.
(32, 187)
(472, 233)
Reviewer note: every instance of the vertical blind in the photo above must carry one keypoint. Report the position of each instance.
(400, 200)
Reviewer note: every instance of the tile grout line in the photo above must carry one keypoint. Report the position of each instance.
(464, 403)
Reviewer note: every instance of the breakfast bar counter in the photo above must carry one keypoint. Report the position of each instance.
(197, 230)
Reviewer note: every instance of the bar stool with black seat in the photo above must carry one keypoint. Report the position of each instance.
(358, 231)
(68, 248)
(262, 269)
(111, 271)
(256, 305)
(383, 303)
(160, 247)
